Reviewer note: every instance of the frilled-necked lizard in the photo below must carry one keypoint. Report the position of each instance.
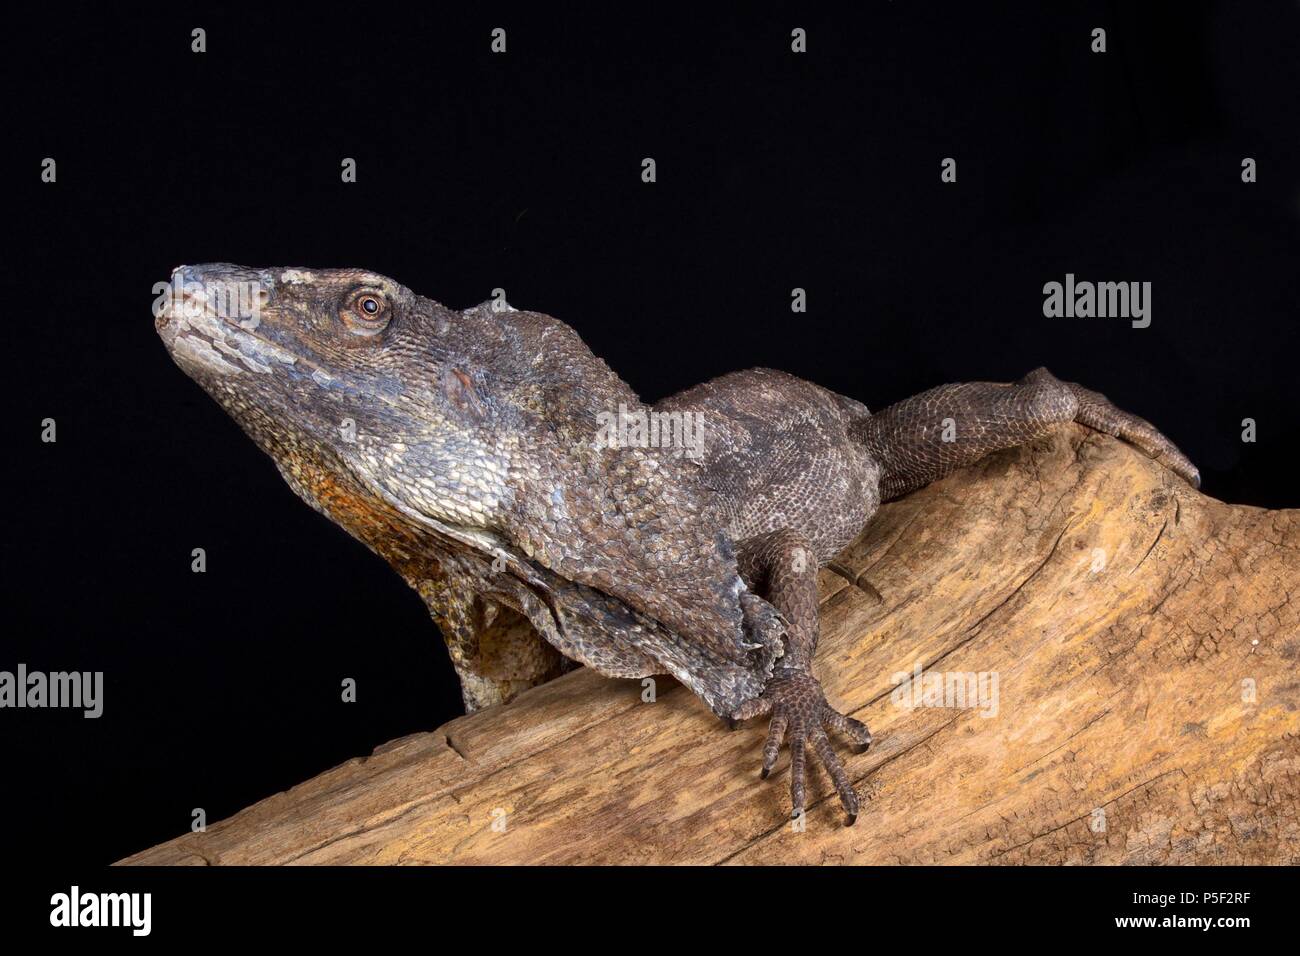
(473, 451)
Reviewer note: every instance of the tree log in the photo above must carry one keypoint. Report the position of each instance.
(1144, 642)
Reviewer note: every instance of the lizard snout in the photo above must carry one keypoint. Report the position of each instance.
(228, 292)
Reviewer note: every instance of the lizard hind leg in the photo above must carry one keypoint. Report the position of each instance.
(923, 438)
(496, 652)
(782, 567)
(1096, 412)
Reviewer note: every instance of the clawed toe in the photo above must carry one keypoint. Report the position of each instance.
(772, 747)
(852, 728)
(801, 715)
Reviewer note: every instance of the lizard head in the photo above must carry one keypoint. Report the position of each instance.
(477, 432)
(349, 380)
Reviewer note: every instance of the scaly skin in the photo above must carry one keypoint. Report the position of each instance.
(466, 448)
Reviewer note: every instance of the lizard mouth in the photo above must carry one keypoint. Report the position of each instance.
(203, 336)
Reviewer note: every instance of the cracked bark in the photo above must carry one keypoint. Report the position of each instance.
(1148, 707)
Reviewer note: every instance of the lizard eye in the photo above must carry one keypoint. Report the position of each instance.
(366, 312)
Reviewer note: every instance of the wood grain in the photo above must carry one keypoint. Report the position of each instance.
(1145, 644)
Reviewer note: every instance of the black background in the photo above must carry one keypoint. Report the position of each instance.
(522, 171)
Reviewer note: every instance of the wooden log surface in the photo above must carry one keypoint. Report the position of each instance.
(1144, 642)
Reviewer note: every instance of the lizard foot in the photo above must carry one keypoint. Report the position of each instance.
(1097, 412)
(799, 710)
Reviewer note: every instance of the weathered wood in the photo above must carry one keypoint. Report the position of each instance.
(1145, 644)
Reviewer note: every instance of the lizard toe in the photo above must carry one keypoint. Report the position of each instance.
(799, 713)
(852, 728)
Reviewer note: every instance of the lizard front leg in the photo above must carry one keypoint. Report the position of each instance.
(781, 566)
